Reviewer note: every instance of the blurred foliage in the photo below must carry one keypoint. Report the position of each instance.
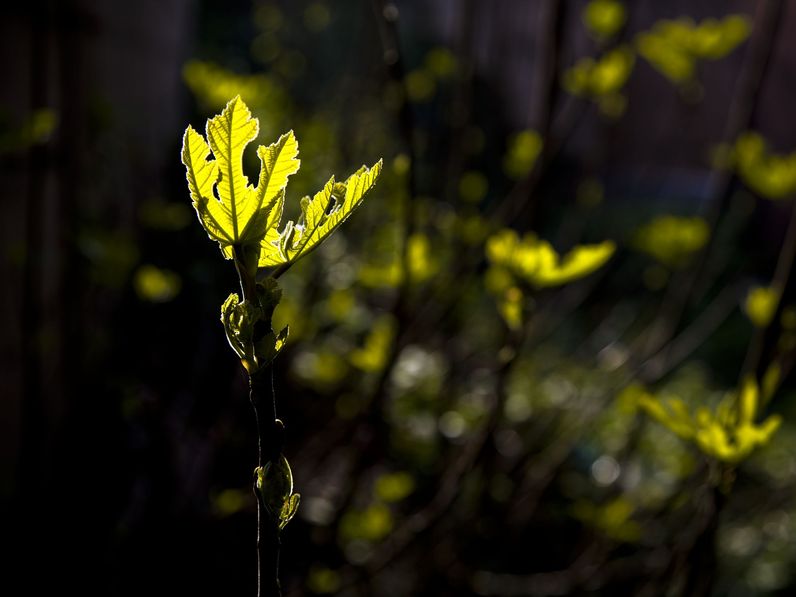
(729, 433)
(602, 80)
(675, 47)
(761, 304)
(604, 18)
(770, 175)
(524, 148)
(672, 240)
(536, 262)
(156, 285)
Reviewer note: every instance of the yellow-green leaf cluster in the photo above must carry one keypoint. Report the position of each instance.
(761, 304)
(769, 175)
(674, 47)
(537, 263)
(672, 240)
(156, 285)
(603, 79)
(728, 434)
(523, 150)
(603, 18)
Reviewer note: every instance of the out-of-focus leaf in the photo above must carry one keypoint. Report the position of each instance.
(536, 262)
(770, 175)
(604, 18)
(729, 433)
(156, 285)
(672, 240)
(523, 150)
(761, 304)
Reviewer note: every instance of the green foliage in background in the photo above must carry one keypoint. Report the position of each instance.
(604, 18)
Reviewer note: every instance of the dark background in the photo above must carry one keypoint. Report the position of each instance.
(126, 438)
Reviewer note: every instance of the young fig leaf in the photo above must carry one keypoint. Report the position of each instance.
(320, 216)
(232, 211)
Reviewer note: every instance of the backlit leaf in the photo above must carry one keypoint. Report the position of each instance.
(320, 216)
(230, 209)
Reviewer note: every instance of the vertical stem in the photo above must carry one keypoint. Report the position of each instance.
(269, 442)
(269, 446)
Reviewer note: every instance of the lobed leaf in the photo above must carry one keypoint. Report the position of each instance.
(320, 216)
(230, 209)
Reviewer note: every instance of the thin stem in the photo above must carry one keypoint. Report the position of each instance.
(269, 446)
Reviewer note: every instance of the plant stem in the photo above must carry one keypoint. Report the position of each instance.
(268, 546)
(269, 446)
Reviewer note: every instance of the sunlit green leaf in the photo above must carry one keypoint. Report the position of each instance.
(236, 213)
(320, 216)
